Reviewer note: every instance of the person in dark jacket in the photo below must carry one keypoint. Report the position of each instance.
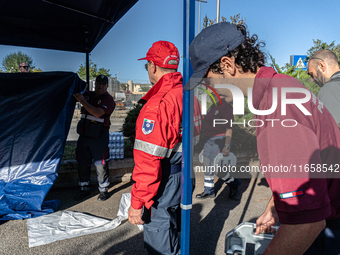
(92, 145)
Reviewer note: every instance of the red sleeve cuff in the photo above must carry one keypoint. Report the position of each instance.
(149, 204)
(136, 203)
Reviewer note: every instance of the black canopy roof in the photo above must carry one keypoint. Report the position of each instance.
(71, 25)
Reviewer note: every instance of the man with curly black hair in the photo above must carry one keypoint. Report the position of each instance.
(304, 134)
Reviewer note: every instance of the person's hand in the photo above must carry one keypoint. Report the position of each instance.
(135, 216)
(225, 151)
(80, 98)
(268, 219)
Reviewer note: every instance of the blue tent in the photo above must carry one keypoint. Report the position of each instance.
(37, 108)
(36, 114)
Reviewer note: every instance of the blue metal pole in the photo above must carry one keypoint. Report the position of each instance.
(186, 201)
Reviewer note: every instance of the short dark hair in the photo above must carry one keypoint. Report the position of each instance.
(327, 56)
(247, 55)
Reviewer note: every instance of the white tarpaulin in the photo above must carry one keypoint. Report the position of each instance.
(67, 224)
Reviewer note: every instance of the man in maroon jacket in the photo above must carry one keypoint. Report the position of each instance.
(93, 129)
(298, 143)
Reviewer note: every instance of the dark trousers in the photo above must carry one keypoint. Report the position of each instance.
(327, 243)
(96, 150)
(162, 223)
(161, 232)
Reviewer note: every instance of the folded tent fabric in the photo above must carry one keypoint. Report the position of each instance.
(67, 224)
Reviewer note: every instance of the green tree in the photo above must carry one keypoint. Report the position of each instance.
(289, 70)
(94, 71)
(320, 45)
(207, 22)
(129, 125)
(236, 19)
(301, 75)
(11, 62)
(36, 70)
(336, 50)
(274, 65)
(145, 88)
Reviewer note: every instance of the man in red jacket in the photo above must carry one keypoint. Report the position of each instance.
(158, 153)
(298, 143)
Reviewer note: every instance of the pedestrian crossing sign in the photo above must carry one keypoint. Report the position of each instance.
(299, 61)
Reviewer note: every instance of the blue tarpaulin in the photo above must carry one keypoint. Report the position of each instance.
(36, 111)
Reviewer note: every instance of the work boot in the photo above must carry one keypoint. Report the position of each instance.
(204, 195)
(82, 194)
(103, 196)
(233, 189)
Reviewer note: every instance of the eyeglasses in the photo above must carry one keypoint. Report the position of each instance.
(146, 65)
(314, 58)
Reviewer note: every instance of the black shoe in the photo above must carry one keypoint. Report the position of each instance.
(103, 196)
(82, 194)
(205, 195)
(233, 189)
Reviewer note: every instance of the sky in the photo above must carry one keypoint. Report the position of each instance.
(286, 27)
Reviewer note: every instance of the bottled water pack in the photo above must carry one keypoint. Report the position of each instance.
(116, 145)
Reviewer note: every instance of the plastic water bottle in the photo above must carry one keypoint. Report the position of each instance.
(118, 144)
(121, 151)
(123, 147)
(117, 153)
(114, 146)
(118, 138)
(114, 156)
(114, 138)
(110, 145)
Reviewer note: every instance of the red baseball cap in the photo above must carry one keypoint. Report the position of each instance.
(163, 54)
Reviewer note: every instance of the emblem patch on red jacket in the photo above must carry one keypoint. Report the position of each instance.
(148, 126)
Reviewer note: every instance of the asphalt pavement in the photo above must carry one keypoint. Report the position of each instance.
(211, 219)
